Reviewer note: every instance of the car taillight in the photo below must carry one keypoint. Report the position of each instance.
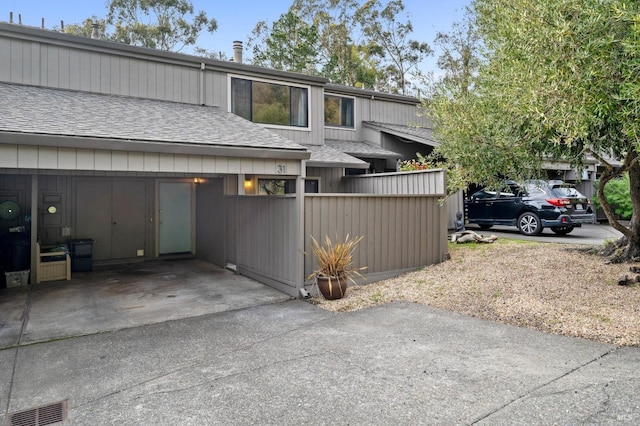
(558, 202)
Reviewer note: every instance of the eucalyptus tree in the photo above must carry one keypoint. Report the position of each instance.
(158, 24)
(289, 44)
(387, 36)
(460, 56)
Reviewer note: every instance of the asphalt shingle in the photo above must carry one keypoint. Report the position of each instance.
(45, 111)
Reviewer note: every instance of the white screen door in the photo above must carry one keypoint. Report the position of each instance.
(175, 217)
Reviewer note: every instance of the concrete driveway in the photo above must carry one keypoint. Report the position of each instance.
(125, 296)
(292, 364)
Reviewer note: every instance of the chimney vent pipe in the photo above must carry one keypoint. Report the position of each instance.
(237, 52)
(95, 32)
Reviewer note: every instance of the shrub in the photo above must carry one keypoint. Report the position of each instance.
(616, 192)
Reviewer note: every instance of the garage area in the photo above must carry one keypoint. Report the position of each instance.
(123, 296)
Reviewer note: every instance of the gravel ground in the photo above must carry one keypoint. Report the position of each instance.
(552, 288)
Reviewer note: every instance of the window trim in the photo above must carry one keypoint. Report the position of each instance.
(230, 77)
(315, 178)
(335, 95)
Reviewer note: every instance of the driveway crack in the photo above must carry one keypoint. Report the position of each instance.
(543, 385)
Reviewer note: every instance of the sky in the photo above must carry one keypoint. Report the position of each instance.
(235, 19)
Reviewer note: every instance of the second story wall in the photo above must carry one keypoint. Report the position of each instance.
(72, 67)
(32, 56)
(374, 106)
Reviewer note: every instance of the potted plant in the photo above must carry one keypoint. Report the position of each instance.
(334, 265)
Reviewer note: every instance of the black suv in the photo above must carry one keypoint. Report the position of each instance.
(531, 206)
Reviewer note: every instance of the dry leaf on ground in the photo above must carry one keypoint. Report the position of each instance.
(552, 288)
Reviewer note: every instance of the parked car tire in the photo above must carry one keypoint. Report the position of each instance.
(562, 230)
(529, 224)
(485, 226)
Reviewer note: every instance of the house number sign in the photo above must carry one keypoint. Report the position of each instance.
(281, 169)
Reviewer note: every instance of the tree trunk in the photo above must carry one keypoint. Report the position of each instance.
(629, 245)
(632, 250)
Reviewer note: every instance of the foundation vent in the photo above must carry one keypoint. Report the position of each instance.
(52, 414)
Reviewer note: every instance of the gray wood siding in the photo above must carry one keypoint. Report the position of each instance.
(367, 109)
(265, 229)
(394, 113)
(401, 233)
(428, 182)
(51, 158)
(210, 222)
(216, 90)
(15, 188)
(454, 203)
(50, 228)
(330, 178)
(77, 69)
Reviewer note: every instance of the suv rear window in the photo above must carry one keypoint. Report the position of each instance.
(565, 191)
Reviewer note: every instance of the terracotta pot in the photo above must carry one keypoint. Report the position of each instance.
(334, 290)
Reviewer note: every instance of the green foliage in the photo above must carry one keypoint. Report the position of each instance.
(85, 29)
(157, 24)
(388, 38)
(558, 81)
(461, 58)
(290, 44)
(616, 193)
(358, 45)
(419, 163)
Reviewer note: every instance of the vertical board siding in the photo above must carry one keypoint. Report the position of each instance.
(400, 232)
(330, 178)
(431, 182)
(99, 72)
(59, 158)
(266, 237)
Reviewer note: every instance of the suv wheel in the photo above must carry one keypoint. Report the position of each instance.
(562, 230)
(529, 224)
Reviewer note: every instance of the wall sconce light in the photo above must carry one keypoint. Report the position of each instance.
(197, 180)
(248, 182)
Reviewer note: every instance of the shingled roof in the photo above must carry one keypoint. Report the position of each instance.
(361, 149)
(326, 156)
(30, 110)
(422, 135)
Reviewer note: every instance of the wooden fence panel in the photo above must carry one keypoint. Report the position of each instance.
(401, 233)
(423, 182)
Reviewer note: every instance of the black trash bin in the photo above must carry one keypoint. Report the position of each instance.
(81, 250)
(15, 252)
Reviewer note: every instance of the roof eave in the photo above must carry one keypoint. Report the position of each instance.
(330, 164)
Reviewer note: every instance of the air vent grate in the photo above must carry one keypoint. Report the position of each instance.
(40, 416)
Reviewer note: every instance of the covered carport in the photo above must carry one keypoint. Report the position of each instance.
(144, 179)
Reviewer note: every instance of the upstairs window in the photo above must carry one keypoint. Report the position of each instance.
(270, 103)
(338, 111)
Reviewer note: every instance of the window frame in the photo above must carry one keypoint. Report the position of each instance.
(334, 126)
(289, 85)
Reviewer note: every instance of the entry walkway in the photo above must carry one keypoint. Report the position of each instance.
(125, 296)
